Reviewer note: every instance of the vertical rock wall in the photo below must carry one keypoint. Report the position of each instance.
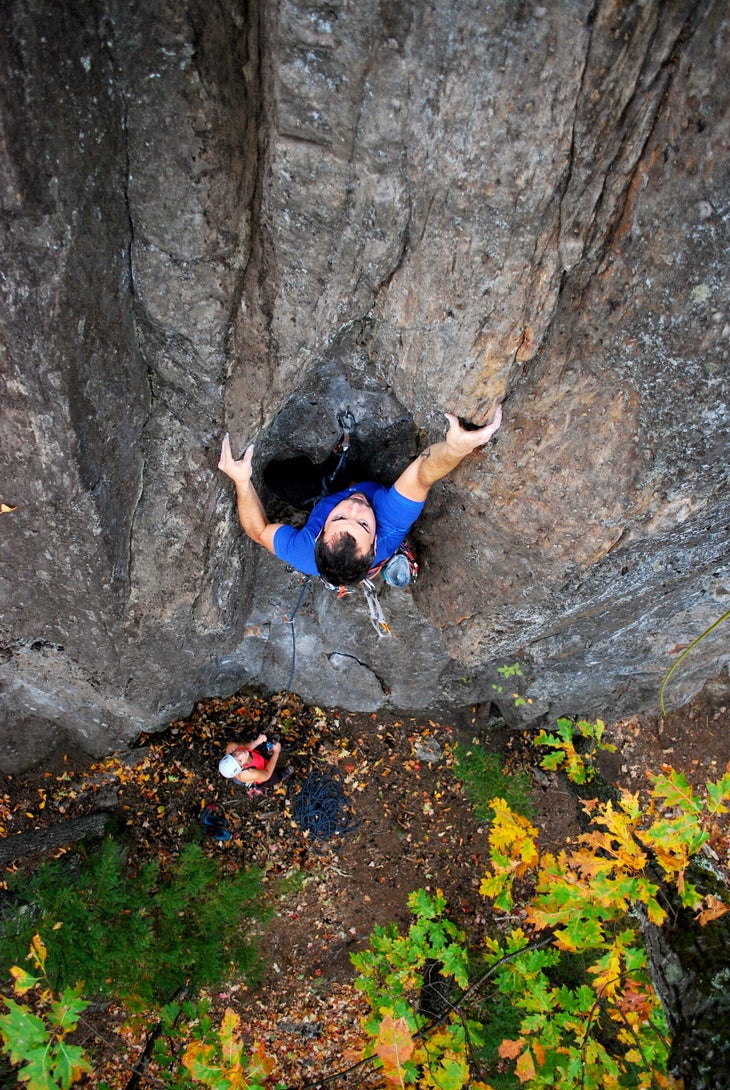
(225, 216)
(127, 175)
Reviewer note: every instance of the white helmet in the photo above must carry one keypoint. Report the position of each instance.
(229, 766)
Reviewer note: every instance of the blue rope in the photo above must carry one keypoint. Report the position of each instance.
(327, 482)
(290, 622)
(321, 807)
(347, 422)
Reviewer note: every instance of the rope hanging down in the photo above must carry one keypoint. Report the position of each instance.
(290, 621)
(346, 423)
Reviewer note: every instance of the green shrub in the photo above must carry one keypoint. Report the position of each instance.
(500, 1019)
(574, 747)
(136, 934)
(484, 777)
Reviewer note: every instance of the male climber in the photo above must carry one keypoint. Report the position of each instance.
(351, 531)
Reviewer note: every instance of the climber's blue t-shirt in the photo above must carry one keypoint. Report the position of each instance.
(394, 516)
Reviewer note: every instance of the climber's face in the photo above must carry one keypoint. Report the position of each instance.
(353, 516)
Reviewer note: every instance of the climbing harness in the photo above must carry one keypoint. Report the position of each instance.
(403, 569)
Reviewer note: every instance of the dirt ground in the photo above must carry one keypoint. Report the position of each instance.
(412, 826)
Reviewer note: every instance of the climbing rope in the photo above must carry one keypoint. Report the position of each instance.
(290, 621)
(346, 422)
(321, 807)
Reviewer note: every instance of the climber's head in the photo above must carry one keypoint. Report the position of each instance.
(234, 762)
(345, 548)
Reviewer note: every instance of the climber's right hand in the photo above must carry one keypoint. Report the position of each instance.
(238, 469)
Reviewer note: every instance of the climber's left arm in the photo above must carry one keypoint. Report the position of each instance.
(441, 458)
(251, 512)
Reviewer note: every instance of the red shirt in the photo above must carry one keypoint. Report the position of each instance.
(256, 760)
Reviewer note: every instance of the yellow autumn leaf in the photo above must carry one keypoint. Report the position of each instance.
(230, 1045)
(655, 912)
(590, 863)
(630, 803)
(608, 972)
(673, 859)
(513, 835)
(38, 952)
(196, 1058)
(23, 981)
(6, 508)
(623, 833)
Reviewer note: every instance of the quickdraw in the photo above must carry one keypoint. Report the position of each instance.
(346, 422)
(375, 609)
(377, 617)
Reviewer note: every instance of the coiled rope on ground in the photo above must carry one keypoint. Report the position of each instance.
(321, 807)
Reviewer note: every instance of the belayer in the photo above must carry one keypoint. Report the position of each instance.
(253, 763)
(352, 531)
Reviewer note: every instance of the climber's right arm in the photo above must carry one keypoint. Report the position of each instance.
(250, 509)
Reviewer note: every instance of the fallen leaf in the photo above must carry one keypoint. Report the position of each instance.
(714, 908)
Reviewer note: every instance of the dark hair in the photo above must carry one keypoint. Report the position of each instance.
(339, 562)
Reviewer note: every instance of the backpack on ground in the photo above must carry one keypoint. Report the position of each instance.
(214, 823)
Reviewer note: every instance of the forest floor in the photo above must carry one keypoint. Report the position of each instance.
(413, 826)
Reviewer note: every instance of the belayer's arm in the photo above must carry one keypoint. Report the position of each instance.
(261, 775)
(250, 509)
(441, 458)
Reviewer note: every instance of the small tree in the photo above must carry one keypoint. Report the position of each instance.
(37, 1040)
(601, 1027)
(35, 1037)
(141, 933)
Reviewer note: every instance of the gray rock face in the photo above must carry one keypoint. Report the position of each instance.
(246, 218)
